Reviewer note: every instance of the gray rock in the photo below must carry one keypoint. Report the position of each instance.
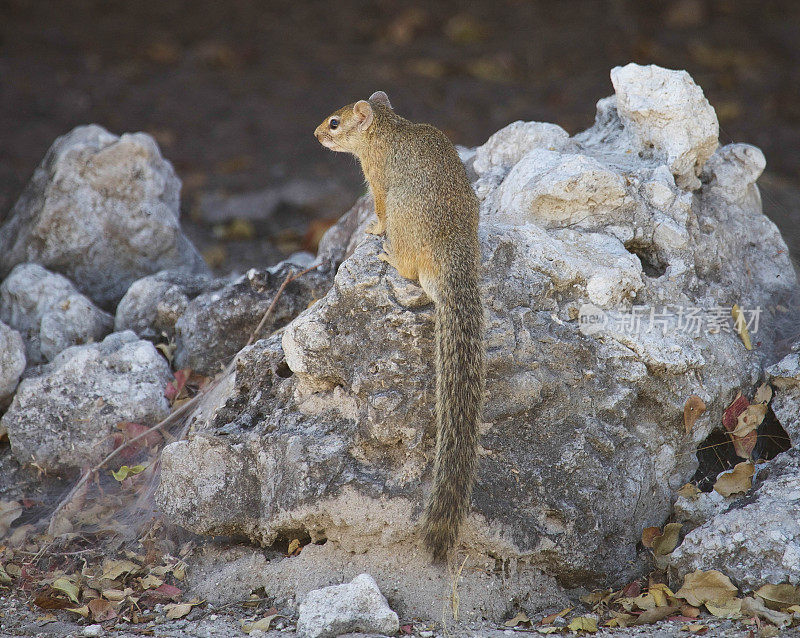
(102, 210)
(784, 377)
(12, 361)
(153, 304)
(325, 430)
(756, 539)
(216, 324)
(341, 609)
(64, 415)
(49, 312)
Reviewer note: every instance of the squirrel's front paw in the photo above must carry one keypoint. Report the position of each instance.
(376, 228)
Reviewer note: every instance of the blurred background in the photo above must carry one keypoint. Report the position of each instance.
(232, 90)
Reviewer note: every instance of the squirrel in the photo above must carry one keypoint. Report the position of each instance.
(429, 212)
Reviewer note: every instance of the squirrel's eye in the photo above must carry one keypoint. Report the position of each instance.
(334, 123)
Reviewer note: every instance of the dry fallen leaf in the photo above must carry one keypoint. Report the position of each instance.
(177, 610)
(654, 615)
(520, 618)
(102, 609)
(548, 620)
(750, 419)
(692, 409)
(68, 587)
(83, 611)
(755, 607)
(779, 596)
(113, 569)
(740, 324)
(583, 623)
(689, 491)
(740, 479)
(668, 541)
(699, 587)
(729, 608)
(763, 394)
(261, 625)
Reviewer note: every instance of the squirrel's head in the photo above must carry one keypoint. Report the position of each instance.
(345, 130)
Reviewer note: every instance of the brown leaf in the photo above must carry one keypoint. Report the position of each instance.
(177, 610)
(692, 409)
(689, 611)
(102, 609)
(689, 491)
(699, 587)
(654, 615)
(648, 534)
(520, 618)
(167, 591)
(763, 394)
(49, 601)
(740, 479)
(549, 620)
(729, 608)
(779, 596)
(665, 543)
(743, 446)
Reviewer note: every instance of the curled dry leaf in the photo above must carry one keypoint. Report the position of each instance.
(102, 609)
(549, 620)
(68, 587)
(740, 325)
(113, 569)
(733, 411)
(648, 534)
(740, 479)
(755, 607)
(520, 618)
(692, 410)
(699, 587)
(82, 611)
(177, 610)
(262, 625)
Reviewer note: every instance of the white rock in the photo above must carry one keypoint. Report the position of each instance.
(64, 416)
(92, 630)
(340, 609)
(507, 147)
(669, 117)
(49, 312)
(12, 361)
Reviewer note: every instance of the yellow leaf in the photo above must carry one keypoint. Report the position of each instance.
(654, 615)
(293, 547)
(124, 472)
(68, 587)
(261, 625)
(699, 587)
(730, 608)
(114, 595)
(779, 596)
(645, 602)
(740, 479)
(83, 611)
(583, 623)
(740, 324)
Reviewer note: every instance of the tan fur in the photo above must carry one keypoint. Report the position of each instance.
(425, 204)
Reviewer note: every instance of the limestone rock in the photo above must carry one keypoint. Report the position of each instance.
(102, 210)
(784, 377)
(756, 539)
(669, 117)
(215, 325)
(153, 304)
(12, 361)
(49, 312)
(325, 430)
(341, 609)
(64, 414)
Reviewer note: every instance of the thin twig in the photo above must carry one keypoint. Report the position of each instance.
(182, 411)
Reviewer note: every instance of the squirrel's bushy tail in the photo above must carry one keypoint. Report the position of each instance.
(459, 395)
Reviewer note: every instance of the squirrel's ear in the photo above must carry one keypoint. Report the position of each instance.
(364, 115)
(381, 98)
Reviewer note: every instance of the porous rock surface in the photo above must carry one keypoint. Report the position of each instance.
(756, 539)
(341, 609)
(102, 210)
(49, 312)
(64, 413)
(325, 430)
(12, 361)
